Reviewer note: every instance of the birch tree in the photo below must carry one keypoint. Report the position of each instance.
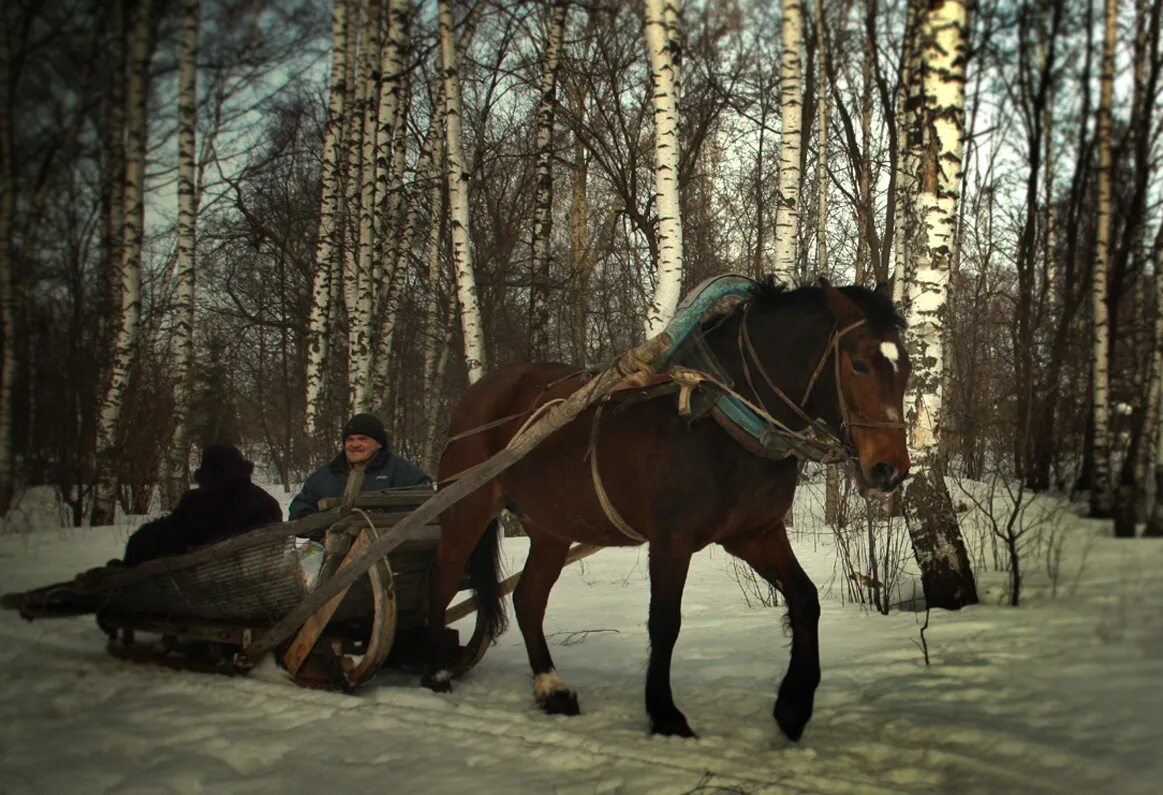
(787, 222)
(330, 223)
(438, 337)
(182, 342)
(660, 30)
(543, 220)
(458, 172)
(937, 543)
(126, 343)
(359, 286)
(1101, 493)
(395, 220)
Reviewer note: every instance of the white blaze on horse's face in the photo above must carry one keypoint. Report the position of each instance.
(890, 351)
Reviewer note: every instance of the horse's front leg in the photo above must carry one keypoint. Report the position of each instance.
(771, 556)
(668, 570)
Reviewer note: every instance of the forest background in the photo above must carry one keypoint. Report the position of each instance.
(239, 221)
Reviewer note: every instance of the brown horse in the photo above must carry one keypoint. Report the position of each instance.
(677, 482)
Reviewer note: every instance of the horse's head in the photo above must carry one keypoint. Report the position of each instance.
(869, 367)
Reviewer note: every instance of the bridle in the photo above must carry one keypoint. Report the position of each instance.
(747, 351)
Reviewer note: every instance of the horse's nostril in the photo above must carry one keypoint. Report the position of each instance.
(883, 474)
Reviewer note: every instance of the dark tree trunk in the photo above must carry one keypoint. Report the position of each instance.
(946, 576)
(1126, 506)
(1154, 528)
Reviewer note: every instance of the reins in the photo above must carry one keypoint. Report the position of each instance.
(747, 350)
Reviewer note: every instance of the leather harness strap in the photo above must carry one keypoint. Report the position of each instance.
(600, 490)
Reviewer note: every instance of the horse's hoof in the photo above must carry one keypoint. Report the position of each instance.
(561, 702)
(439, 682)
(672, 727)
(791, 717)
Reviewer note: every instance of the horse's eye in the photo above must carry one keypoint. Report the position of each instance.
(859, 366)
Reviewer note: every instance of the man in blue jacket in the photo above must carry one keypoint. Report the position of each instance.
(365, 441)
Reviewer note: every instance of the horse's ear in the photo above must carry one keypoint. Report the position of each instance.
(843, 308)
(884, 289)
(822, 282)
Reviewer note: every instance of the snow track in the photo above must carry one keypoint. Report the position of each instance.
(1058, 696)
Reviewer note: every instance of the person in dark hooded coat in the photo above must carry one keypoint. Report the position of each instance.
(224, 504)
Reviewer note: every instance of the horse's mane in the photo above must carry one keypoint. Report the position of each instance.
(769, 294)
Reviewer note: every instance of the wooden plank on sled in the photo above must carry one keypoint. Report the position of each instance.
(509, 584)
(388, 498)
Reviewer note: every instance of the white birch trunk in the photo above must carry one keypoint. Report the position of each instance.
(543, 220)
(664, 78)
(7, 324)
(360, 308)
(395, 217)
(182, 342)
(787, 220)
(936, 208)
(400, 221)
(392, 73)
(1101, 492)
(330, 224)
(125, 345)
(458, 173)
(437, 340)
(356, 102)
(937, 543)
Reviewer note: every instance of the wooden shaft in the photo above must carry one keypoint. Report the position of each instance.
(509, 584)
(313, 627)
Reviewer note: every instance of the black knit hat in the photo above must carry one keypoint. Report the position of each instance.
(366, 425)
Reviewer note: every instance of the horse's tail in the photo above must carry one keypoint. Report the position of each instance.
(484, 574)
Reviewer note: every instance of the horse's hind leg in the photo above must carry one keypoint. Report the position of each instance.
(771, 556)
(462, 527)
(542, 568)
(668, 570)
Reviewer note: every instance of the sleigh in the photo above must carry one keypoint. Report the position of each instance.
(206, 609)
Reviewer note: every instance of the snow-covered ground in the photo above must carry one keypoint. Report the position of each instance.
(1064, 694)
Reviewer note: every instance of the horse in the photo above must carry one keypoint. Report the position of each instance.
(636, 470)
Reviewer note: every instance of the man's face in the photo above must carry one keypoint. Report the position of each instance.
(360, 449)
